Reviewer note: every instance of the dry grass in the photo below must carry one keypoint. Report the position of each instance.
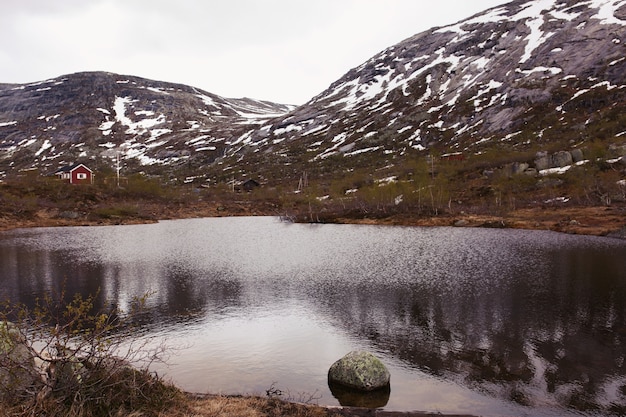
(227, 406)
(186, 406)
(239, 406)
(223, 406)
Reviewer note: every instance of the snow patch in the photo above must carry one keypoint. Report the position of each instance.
(550, 70)
(561, 170)
(193, 124)
(315, 130)
(287, 129)
(389, 180)
(140, 127)
(606, 11)
(563, 15)
(562, 200)
(46, 145)
(579, 93)
(157, 90)
(495, 15)
(359, 151)
(338, 140)
(534, 23)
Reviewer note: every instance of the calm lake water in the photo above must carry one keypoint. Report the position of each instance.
(481, 321)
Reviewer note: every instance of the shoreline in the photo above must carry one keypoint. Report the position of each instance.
(590, 221)
(594, 221)
(306, 409)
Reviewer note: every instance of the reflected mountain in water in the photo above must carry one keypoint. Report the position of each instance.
(559, 340)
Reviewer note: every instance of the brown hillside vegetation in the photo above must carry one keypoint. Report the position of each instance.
(462, 201)
(597, 221)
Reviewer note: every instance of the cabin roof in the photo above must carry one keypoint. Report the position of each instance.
(70, 168)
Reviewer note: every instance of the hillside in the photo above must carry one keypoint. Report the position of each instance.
(519, 107)
(94, 116)
(529, 75)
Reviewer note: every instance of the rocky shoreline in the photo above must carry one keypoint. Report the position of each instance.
(594, 221)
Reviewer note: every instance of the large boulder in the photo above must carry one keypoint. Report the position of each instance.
(542, 161)
(17, 361)
(361, 371)
(577, 155)
(562, 159)
(519, 167)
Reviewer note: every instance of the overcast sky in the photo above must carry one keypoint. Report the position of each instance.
(285, 51)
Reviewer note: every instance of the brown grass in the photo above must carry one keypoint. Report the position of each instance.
(188, 405)
(227, 406)
(193, 406)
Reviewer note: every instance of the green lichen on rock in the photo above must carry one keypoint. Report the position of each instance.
(360, 371)
(17, 364)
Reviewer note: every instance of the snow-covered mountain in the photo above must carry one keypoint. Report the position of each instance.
(525, 72)
(95, 116)
(527, 75)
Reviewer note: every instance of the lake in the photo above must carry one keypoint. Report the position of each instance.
(488, 322)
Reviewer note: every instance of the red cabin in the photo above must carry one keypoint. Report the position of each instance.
(76, 174)
(457, 156)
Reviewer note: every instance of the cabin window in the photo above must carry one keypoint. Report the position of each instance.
(81, 176)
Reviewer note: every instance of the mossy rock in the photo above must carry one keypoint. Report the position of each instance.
(360, 371)
(17, 370)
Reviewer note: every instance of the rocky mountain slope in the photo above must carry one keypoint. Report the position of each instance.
(528, 76)
(522, 75)
(94, 116)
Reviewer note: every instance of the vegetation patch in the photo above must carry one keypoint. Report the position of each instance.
(116, 212)
(75, 361)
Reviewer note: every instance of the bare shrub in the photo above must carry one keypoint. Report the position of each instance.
(80, 362)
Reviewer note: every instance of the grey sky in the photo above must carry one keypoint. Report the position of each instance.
(280, 50)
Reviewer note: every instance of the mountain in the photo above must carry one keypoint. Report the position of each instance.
(93, 116)
(525, 75)
(505, 85)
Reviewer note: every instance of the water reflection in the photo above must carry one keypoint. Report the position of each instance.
(511, 318)
(556, 338)
(351, 398)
